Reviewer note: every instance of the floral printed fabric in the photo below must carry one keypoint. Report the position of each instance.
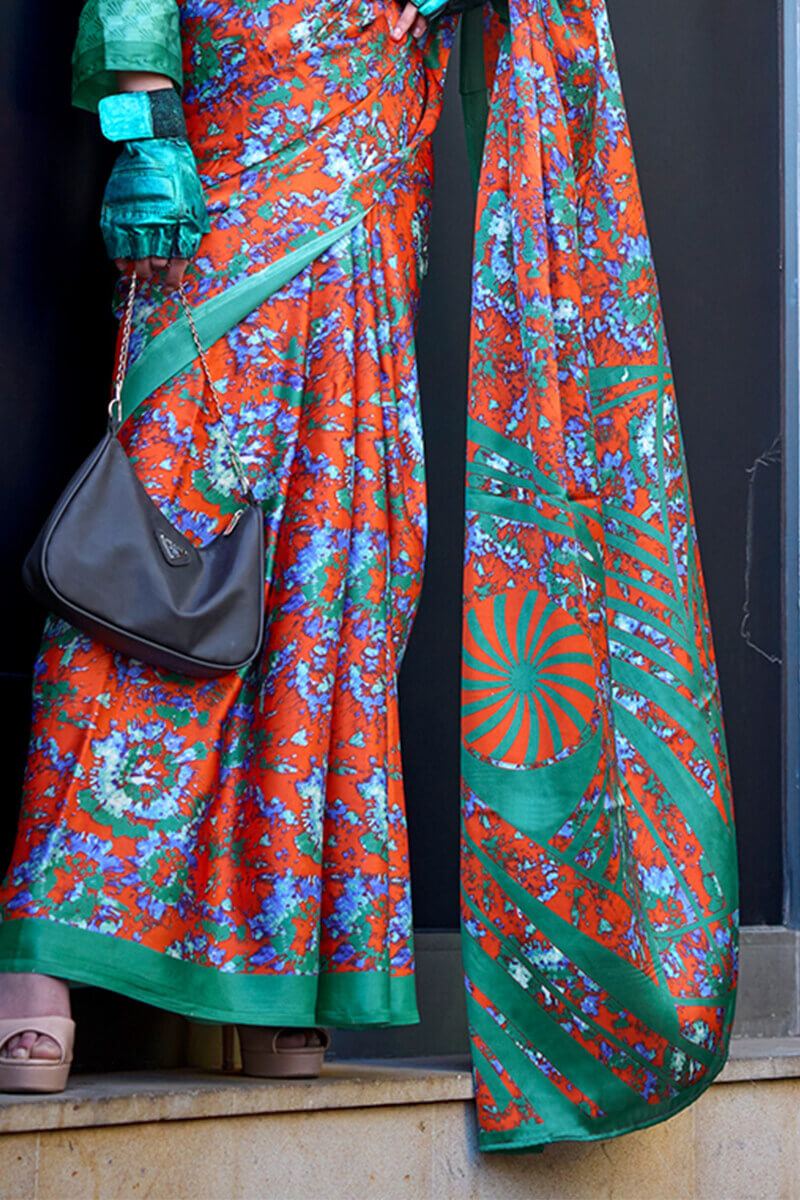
(599, 877)
(236, 849)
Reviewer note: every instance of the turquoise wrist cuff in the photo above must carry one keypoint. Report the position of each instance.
(131, 116)
(445, 8)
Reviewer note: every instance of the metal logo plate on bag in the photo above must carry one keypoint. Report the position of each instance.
(176, 556)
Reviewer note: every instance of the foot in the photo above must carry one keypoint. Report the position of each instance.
(30, 996)
(295, 1039)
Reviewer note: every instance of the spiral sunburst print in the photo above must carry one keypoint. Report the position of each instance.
(528, 685)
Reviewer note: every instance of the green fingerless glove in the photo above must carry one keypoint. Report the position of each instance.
(153, 202)
(441, 8)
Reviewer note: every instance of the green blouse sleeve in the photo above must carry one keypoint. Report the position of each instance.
(123, 35)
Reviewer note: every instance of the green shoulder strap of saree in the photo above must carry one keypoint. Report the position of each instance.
(172, 350)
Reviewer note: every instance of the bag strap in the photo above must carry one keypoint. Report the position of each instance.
(115, 407)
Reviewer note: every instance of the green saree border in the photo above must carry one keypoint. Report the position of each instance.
(344, 1000)
(525, 1140)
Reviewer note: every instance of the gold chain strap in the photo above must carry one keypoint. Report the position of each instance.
(115, 407)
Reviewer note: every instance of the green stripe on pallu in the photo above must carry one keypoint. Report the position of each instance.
(481, 640)
(497, 443)
(655, 939)
(693, 584)
(690, 616)
(536, 801)
(623, 981)
(511, 736)
(668, 935)
(589, 824)
(495, 717)
(542, 1032)
(519, 481)
(655, 655)
(573, 523)
(514, 510)
(601, 378)
(685, 714)
(647, 619)
(621, 515)
(599, 410)
(654, 378)
(172, 350)
(500, 1094)
(648, 589)
(563, 705)
(340, 999)
(544, 1096)
(625, 546)
(601, 1032)
(701, 814)
(724, 1000)
(551, 677)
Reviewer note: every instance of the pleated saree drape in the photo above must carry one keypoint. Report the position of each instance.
(599, 876)
(236, 849)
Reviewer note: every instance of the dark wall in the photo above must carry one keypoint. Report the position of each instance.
(702, 90)
(702, 86)
(702, 93)
(56, 332)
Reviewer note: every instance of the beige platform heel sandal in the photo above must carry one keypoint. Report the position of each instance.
(263, 1056)
(37, 1074)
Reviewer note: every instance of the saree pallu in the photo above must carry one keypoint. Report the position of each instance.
(236, 849)
(599, 875)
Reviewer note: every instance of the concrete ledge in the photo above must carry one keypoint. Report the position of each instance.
(761, 1058)
(134, 1097)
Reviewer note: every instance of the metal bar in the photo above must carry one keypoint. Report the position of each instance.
(790, 266)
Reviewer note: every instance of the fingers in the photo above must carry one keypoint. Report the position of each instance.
(176, 269)
(145, 268)
(409, 21)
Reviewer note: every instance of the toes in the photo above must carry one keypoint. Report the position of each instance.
(46, 1047)
(30, 1045)
(19, 1047)
(292, 1039)
(8, 1047)
(298, 1039)
(26, 1043)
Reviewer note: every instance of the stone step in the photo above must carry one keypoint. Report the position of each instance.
(385, 1130)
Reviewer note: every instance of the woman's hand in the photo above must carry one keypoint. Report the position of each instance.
(410, 20)
(153, 210)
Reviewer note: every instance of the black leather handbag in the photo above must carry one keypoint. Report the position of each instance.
(110, 563)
